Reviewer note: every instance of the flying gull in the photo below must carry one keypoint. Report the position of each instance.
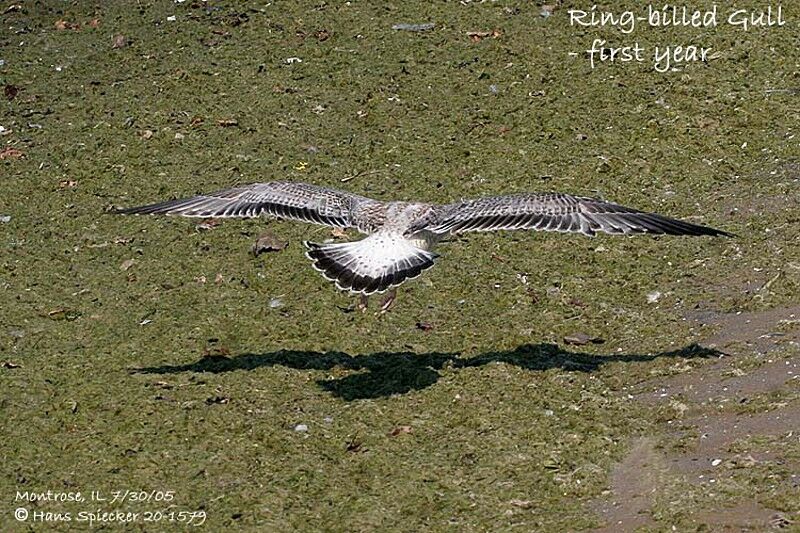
(400, 236)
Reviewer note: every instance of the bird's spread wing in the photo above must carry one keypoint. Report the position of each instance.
(556, 212)
(293, 201)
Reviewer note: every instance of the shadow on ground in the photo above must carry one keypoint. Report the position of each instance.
(387, 373)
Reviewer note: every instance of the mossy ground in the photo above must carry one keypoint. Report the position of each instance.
(106, 384)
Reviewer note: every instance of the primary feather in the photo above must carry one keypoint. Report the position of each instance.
(401, 235)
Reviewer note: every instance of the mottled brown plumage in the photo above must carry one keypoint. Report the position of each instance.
(401, 235)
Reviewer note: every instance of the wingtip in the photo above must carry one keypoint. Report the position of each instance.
(114, 210)
(714, 232)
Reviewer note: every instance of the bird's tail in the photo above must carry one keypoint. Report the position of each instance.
(374, 264)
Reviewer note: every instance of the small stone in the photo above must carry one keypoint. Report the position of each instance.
(580, 338)
(547, 10)
(653, 297)
(217, 400)
(119, 41)
(716, 462)
(208, 224)
(523, 504)
(268, 242)
(414, 27)
(301, 428)
(354, 446)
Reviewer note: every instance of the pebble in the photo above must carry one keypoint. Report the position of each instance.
(653, 297)
(414, 27)
(268, 242)
(580, 338)
(301, 428)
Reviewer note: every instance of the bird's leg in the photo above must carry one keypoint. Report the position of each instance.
(363, 301)
(388, 301)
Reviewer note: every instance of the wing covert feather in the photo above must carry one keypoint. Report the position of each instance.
(287, 200)
(557, 212)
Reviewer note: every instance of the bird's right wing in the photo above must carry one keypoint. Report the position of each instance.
(287, 200)
(555, 212)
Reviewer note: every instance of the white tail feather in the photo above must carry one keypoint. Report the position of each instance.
(375, 264)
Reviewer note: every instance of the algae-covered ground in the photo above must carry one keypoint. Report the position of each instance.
(158, 355)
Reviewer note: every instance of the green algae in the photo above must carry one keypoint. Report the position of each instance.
(120, 394)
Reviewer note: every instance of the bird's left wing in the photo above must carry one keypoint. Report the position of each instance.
(288, 200)
(555, 212)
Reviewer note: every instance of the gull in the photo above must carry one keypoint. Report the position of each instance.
(400, 236)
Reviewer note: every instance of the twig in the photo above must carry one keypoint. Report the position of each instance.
(359, 174)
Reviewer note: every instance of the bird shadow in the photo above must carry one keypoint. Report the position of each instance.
(386, 373)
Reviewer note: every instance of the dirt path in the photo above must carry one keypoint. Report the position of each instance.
(710, 421)
(634, 482)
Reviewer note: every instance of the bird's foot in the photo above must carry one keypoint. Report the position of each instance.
(387, 302)
(363, 302)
